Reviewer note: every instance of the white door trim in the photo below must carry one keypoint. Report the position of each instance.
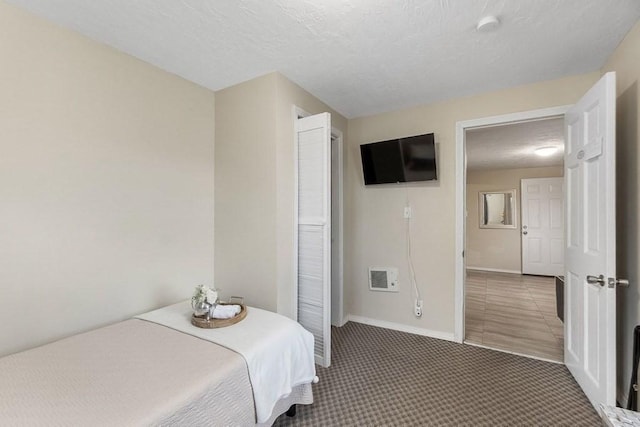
(461, 168)
(340, 320)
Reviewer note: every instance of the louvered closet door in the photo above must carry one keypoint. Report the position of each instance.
(314, 231)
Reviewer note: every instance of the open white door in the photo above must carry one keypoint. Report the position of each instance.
(314, 231)
(590, 257)
(541, 200)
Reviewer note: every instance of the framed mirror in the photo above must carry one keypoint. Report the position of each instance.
(497, 209)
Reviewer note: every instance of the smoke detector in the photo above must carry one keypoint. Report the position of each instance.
(488, 23)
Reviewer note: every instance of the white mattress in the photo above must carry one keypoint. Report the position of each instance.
(278, 350)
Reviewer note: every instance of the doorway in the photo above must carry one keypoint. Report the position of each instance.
(590, 242)
(503, 308)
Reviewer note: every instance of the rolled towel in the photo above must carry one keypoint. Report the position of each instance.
(226, 311)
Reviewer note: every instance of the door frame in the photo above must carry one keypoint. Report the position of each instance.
(337, 135)
(297, 113)
(461, 178)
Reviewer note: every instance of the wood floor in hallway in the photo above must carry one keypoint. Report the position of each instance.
(513, 312)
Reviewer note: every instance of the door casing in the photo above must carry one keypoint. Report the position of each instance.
(461, 178)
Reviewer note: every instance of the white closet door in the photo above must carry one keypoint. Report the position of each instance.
(314, 231)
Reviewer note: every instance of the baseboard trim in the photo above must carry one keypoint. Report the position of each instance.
(343, 322)
(494, 270)
(400, 327)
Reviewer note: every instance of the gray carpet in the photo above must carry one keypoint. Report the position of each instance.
(381, 377)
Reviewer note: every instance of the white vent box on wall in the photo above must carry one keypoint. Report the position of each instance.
(383, 279)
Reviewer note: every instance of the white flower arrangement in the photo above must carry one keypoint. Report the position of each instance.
(204, 294)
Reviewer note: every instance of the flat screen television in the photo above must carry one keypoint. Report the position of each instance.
(399, 160)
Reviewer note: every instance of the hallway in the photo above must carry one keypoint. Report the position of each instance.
(513, 312)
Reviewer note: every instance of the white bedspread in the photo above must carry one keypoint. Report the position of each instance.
(278, 351)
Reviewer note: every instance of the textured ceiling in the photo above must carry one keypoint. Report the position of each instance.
(359, 56)
(512, 146)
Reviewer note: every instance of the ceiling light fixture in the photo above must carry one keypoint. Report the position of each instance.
(546, 151)
(488, 23)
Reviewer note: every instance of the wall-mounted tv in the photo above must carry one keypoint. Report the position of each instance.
(399, 160)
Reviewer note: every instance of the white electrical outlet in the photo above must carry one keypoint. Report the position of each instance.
(407, 212)
(417, 310)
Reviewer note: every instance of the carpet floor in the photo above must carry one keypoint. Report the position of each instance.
(380, 377)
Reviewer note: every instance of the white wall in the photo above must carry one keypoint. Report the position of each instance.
(375, 227)
(493, 248)
(625, 61)
(106, 183)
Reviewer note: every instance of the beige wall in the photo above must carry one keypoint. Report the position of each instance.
(625, 61)
(106, 182)
(245, 197)
(375, 233)
(491, 248)
(255, 188)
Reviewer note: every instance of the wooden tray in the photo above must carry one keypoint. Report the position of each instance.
(202, 322)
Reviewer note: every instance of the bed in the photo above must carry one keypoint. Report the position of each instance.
(157, 369)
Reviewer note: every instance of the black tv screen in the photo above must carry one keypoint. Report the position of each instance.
(399, 160)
